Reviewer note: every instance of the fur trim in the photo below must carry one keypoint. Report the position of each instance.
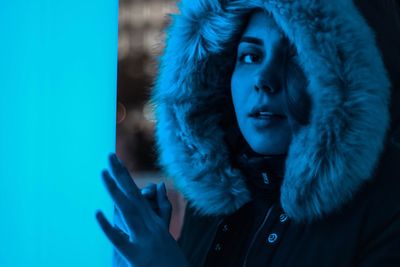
(328, 160)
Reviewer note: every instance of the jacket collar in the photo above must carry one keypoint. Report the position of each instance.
(263, 173)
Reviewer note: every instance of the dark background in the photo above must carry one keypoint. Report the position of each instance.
(140, 41)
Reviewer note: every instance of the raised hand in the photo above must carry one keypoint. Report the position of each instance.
(146, 240)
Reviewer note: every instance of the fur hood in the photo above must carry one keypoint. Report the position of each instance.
(349, 83)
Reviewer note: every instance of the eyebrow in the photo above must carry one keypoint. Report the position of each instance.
(252, 40)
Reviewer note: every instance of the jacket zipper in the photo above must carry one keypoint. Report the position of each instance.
(255, 235)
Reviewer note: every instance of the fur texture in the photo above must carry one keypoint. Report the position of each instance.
(328, 160)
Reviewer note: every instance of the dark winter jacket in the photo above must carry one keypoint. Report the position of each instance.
(337, 203)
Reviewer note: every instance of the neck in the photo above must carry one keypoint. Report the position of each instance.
(263, 172)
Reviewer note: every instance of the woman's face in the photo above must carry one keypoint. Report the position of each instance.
(257, 82)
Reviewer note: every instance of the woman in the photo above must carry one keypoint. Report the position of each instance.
(278, 121)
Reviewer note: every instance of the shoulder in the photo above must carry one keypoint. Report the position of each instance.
(381, 220)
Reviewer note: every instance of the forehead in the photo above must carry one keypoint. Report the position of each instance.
(263, 26)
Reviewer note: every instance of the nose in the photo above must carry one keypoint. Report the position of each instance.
(265, 88)
(270, 75)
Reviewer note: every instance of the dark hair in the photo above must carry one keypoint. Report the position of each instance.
(297, 98)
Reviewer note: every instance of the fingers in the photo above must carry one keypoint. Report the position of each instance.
(119, 220)
(119, 239)
(129, 209)
(164, 204)
(150, 193)
(123, 178)
(158, 199)
(126, 184)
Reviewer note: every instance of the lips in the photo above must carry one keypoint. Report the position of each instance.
(264, 111)
(266, 115)
(262, 121)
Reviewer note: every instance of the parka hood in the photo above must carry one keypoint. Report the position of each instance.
(351, 61)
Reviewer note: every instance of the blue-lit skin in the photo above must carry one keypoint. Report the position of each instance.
(263, 63)
(141, 236)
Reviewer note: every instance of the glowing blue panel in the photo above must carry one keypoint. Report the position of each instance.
(58, 62)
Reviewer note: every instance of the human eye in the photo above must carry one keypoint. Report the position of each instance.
(249, 57)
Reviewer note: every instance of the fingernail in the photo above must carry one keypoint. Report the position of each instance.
(145, 191)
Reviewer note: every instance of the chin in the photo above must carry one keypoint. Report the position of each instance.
(269, 141)
(268, 150)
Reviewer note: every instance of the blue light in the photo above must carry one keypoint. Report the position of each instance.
(58, 62)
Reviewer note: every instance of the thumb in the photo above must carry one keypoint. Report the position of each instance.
(164, 204)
